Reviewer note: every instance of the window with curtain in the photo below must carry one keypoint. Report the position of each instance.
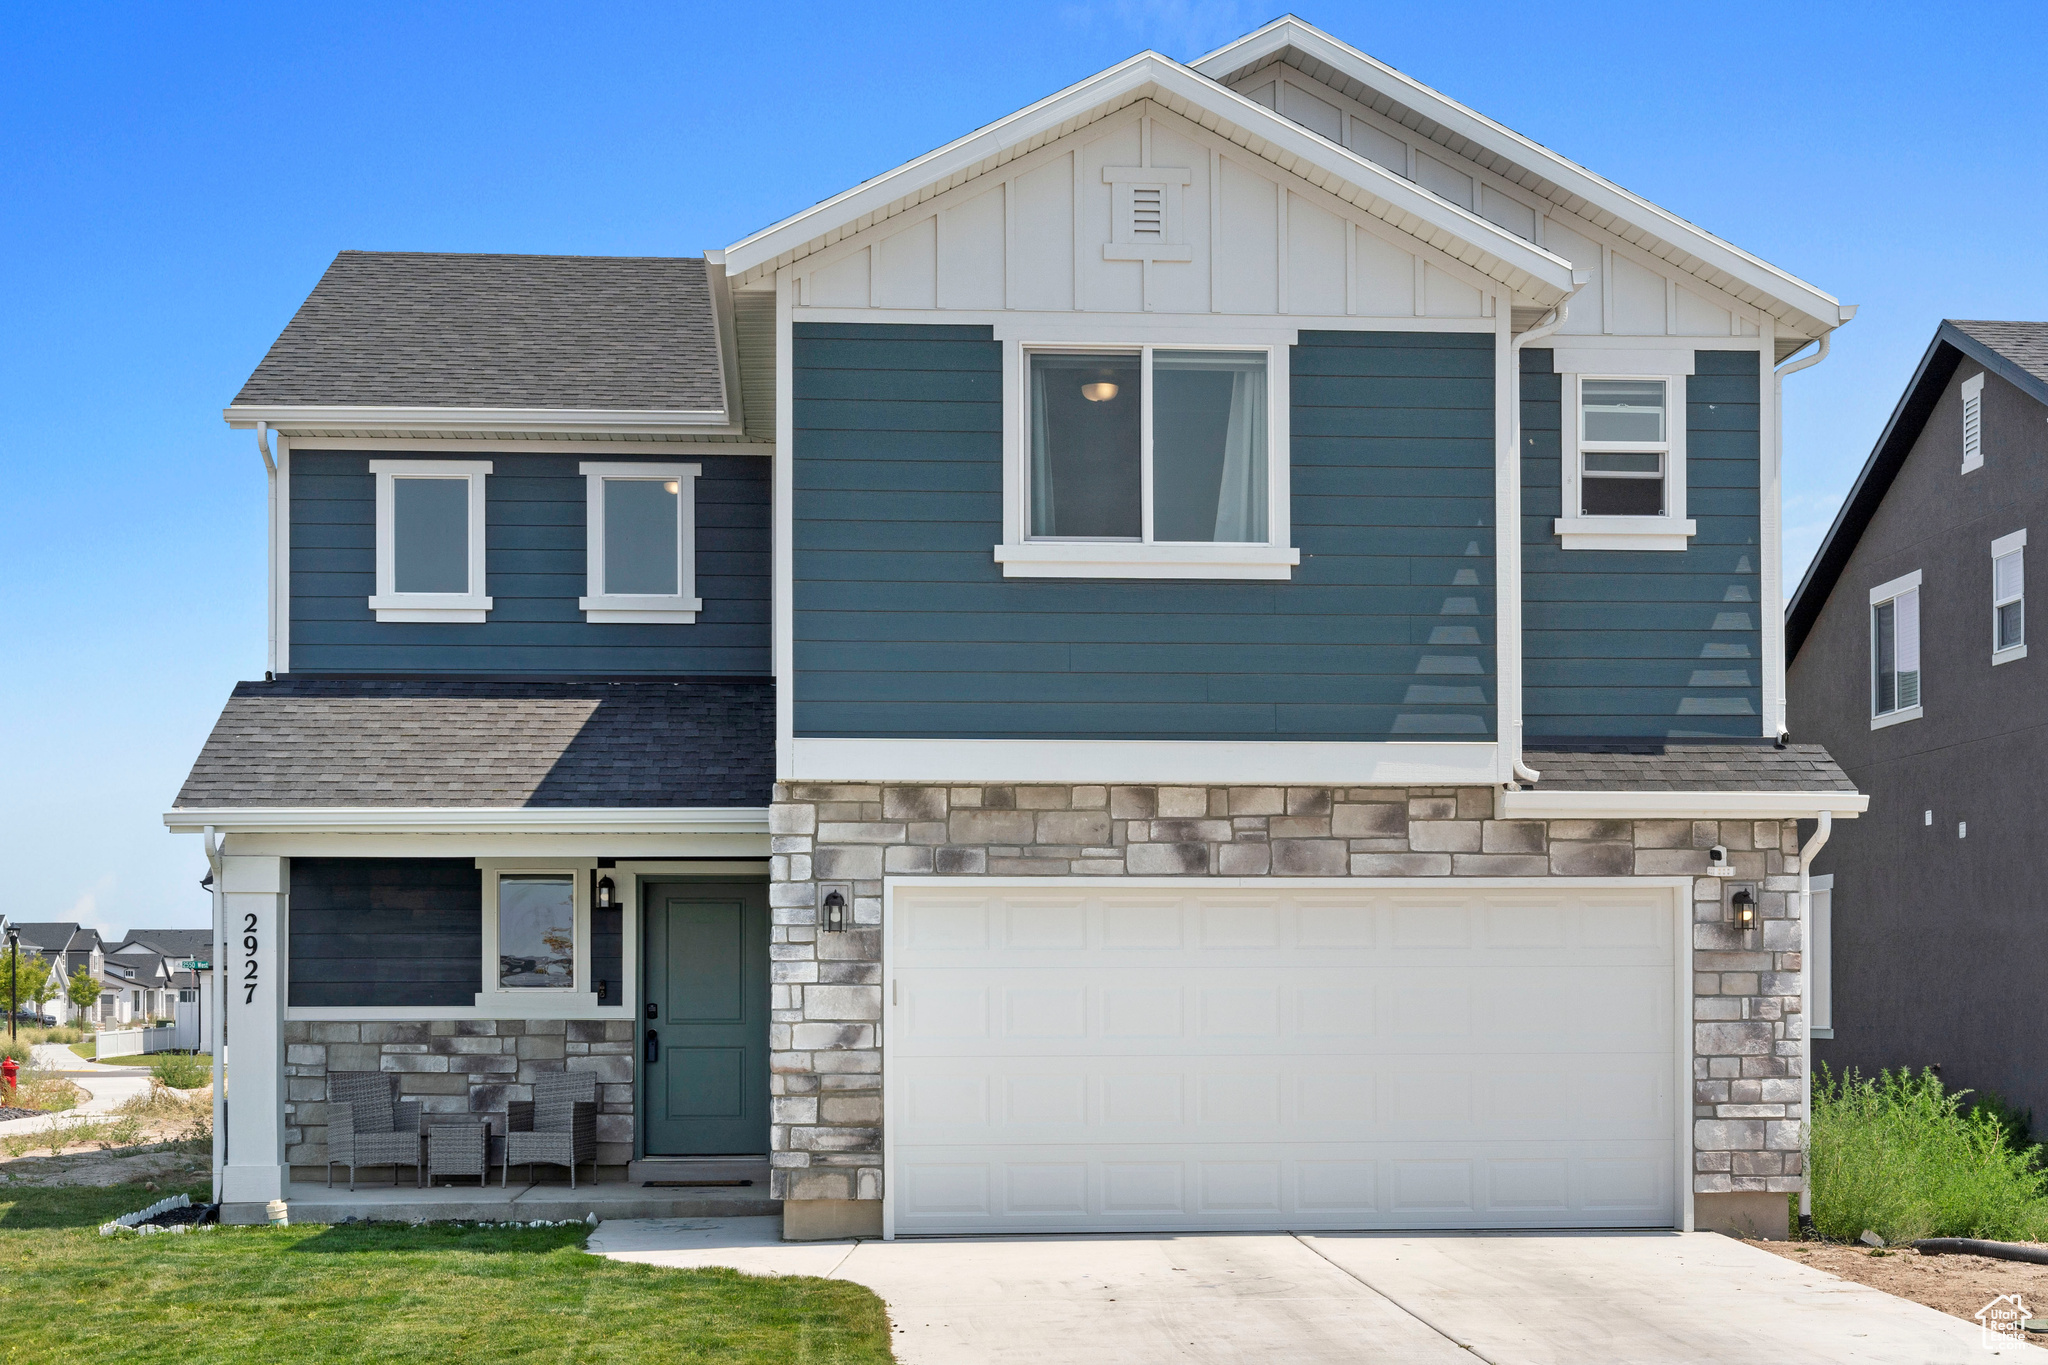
(1149, 445)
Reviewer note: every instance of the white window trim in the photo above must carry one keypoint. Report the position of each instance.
(2000, 548)
(1973, 423)
(1822, 887)
(1023, 557)
(391, 605)
(628, 608)
(1879, 595)
(549, 998)
(1672, 531)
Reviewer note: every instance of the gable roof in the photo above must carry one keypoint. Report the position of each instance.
(2016, 352)
(1521, 266)
(178, 943)
(486, 339)
(1807, 310)
(308, 743)
(48, 936)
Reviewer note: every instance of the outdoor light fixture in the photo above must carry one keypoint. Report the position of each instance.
(1101, 391)
(1742, 909)
(835, 913)
(607, 894)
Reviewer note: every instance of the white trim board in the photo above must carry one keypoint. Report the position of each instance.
(652, 448)
(1664, 805)
(1194, 762)
(469, 819)
(1680, 890)
(619, 421)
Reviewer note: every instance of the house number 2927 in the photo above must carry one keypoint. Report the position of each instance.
(249, 960)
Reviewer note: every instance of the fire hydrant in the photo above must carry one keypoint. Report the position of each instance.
(8, 1069)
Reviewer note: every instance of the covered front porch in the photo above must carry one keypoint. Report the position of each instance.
(722, 1189)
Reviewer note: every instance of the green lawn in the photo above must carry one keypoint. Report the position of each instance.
(86, 1048)
(203, 1058)
(387, 1293)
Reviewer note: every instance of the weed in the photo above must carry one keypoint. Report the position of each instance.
(1901, 1155)
(181, 1072)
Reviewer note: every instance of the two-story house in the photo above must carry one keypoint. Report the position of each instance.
(1909, 660)
(66, 946)
(1187, 660)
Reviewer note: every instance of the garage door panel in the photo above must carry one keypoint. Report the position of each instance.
(1145, 1058)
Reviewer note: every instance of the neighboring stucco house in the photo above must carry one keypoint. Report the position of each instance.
(1184, 661)
(1909, 661)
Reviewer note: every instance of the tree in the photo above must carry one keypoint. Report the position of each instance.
(83, 988)
(32, 981)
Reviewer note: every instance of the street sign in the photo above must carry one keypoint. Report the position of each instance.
(196, 964)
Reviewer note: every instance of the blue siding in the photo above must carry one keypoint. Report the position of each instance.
(905, 626)
(534, 571)
(385, 931)
(1648, 643)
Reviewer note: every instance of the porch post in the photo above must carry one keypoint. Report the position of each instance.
(254, 902)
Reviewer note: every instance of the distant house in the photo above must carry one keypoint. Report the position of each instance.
(1908, 659)
(67, 946)
(160, 955)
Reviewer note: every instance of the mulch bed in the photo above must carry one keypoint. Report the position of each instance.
(191, 1213)
(9, 1112)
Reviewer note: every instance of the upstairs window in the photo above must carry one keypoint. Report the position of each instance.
(1149, 446)
(641, 539)
(1624, 447)
(430, 540)
(2009, 598)
(1895, 651)
(1973, 423)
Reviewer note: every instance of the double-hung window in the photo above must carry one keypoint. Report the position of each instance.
(1148, 462)
(641, 539)
(1624, 459)
(430, 540)
(2009, 598)
(1895, 651)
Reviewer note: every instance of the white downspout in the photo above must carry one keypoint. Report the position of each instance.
(1823, 827)
(220, 1037)
(270, 509)
(1558, 316)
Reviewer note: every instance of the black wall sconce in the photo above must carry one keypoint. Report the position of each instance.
(835, 913)
(1742, 909)
(607, 897)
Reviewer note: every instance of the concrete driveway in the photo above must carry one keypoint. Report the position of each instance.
(1417, 1299)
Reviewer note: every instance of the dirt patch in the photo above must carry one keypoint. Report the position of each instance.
(163, 1134)
(1956, 1285)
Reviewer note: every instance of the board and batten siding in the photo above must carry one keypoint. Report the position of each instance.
(905, 626)
(385, 931)
(1632, 643)
(534, 571)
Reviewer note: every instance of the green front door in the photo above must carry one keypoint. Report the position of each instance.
(704, 1028)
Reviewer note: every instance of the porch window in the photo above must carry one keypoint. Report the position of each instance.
(430, 540)
(640, 540)
(536, 933)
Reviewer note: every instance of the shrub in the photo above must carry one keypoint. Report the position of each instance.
(181, 1072)
(1904, 1157)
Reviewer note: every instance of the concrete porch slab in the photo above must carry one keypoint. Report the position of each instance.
(522, 1201)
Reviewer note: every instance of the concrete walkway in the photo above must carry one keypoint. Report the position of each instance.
(1501, 1298)
(107, 1088)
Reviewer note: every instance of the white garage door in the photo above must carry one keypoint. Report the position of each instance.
(1146, 1058)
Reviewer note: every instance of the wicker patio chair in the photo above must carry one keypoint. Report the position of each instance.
(368, 1126)
(557, 1127)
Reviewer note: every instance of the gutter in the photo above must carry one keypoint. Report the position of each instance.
(219, 1039)
(470, 820)
(1825, 827)
(1522, 772)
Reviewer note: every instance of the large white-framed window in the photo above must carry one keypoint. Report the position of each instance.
(2009, 598)
(536, 939)
(1624, 461)
(430, 540)
(1973, 423)
(1146, 459)
(1895, 651)
(641, 543)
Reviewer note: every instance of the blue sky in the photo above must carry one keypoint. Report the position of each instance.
(176, 178)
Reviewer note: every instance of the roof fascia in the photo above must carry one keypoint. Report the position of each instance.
(1522, 266)
(1287, 32)
(1951, 345)
(469, 819)
(296, 419)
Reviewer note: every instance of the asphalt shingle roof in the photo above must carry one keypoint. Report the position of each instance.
(178, 943)
(363, 743)
(1664, 766)
(435, 329)
(2025, 344)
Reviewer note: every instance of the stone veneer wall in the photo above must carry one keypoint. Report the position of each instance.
(825, 1038)
(459, 1066)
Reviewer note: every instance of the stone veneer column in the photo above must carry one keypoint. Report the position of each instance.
(825, 1035)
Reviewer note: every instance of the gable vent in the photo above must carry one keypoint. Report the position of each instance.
(1973, 423)
(1148, 211)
